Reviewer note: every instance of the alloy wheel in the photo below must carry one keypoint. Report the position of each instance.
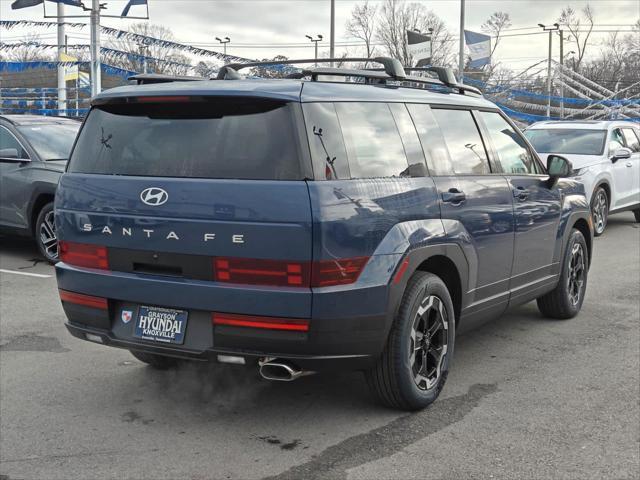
(599, 211)
(428, 346)
(48, 237)
(576, 273)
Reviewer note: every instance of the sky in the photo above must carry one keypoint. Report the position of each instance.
(254, 26)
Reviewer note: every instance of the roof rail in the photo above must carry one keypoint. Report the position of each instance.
(149, 78)
(391, 66)
(392, 70)
(446, 76)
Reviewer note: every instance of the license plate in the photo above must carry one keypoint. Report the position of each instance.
(164, 325)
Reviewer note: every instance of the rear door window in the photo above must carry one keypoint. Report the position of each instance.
(431, 139)
(467, 152)
(217, 138)
(372, 140)
(514, 156)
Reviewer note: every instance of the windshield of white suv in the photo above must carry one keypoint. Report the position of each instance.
(567, 141)
(51, 141)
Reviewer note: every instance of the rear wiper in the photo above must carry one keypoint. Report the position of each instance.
(56, 160)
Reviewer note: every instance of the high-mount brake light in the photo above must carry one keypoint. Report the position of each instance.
(84, 255)
(267, 323)
(162, 99)
(282, 273)
(256, 271)
(84, 300)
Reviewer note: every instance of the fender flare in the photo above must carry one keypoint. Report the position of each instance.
(416, 257)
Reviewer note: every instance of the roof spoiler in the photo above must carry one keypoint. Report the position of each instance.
(150, 78)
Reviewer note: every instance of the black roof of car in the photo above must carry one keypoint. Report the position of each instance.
(35, 119)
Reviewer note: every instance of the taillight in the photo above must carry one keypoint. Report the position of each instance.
(261, 272)
(252, 321)
(84, 300)
(84, 255)
(282, 273)
(337, 272)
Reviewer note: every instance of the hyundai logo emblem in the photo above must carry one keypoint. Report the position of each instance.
(154, 196)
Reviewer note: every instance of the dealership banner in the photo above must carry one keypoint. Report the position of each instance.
(419, 47)
(479, 46)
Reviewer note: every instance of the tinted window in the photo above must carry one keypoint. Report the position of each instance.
(325, 140)
(223, 138)
(468, 156)
(373, 143)
(412, 147)
(431, 139)
(632, 140)
(567, 141)
(513, 153)
(52, 142)
(9, 142)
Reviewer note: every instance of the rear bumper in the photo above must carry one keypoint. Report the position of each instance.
(348, 327)
(277, 350)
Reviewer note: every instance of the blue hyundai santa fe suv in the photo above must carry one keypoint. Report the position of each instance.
(337, 219)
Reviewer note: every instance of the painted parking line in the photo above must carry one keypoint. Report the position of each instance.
(26, 274)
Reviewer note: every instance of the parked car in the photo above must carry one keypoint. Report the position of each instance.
(34, 150)
(605, 157)
(307, 225)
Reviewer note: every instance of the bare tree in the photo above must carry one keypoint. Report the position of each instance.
(172, 56)
(29, 53)
(495, 25)
(577, 24)
(398, 16)
(269, 72)
(362, 25)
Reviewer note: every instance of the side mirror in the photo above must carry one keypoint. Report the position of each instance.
(621, 154)
(558, 167)
(9, 153)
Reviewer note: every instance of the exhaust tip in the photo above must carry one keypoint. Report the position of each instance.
(277, 371)
(280, 370)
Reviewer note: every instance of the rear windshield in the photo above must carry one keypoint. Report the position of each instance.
(567, 141)
(223, 138)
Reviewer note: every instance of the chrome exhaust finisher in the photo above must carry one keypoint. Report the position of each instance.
(280, 370)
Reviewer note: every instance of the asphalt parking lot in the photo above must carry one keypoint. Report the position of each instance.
(527, 398)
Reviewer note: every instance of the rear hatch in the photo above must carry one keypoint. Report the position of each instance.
(184, 191)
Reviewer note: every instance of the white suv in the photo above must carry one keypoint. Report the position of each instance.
(605, 157)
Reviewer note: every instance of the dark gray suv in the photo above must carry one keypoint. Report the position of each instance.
(34, 151)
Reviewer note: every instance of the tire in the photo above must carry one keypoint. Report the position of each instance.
(398, 379)
(45, 234)
(566, 299)
(158, 362)
(599, 211)
(636, 213)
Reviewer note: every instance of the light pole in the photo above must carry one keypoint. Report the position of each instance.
(332, 34)
(315, 42)
(461, 46)
(549, 29)
(224, 43)
(62, 84)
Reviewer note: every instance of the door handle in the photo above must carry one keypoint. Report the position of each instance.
(629, 164)
(520, 193)
(454, 196)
